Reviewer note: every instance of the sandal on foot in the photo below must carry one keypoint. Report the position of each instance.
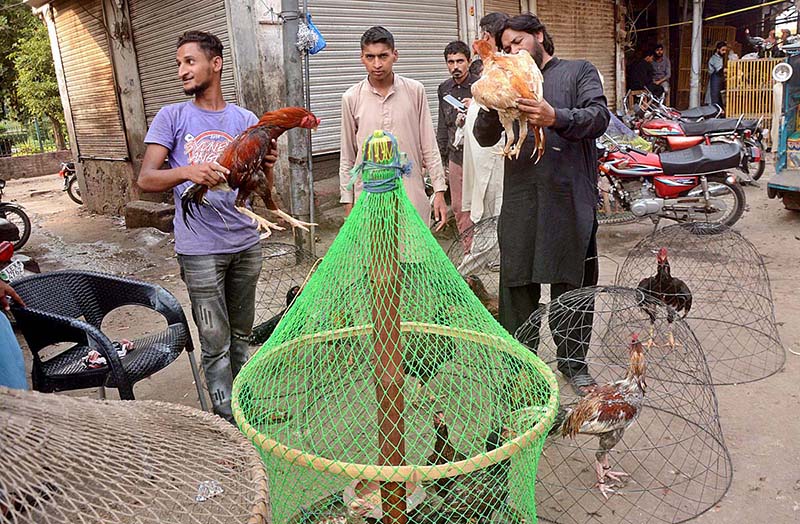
(582, 383)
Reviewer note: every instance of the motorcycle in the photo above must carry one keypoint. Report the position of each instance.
(691, 185)
(70, 177)
(15, 226)
(674, 135)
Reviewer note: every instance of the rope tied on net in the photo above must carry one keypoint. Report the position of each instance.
(382, 162)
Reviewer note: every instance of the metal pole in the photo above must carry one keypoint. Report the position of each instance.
(297, 153)
(309, 152)
(697, 53)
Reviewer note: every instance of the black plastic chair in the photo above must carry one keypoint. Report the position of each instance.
(69, 306)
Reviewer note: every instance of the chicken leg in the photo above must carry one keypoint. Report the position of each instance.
(508, 124)
(292, 220)
(523, 134)
(603, 470)
(263, 223)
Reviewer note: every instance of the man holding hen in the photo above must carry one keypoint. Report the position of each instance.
(547, 224)
(220, 256)
(394, 103)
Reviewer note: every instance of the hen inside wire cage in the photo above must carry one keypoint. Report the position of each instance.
(645, 445)
(284, 269)
(731, 309)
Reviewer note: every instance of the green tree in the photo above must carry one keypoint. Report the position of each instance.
(36, 84)
(15, 19)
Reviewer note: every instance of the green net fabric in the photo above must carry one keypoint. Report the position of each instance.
(388, 392)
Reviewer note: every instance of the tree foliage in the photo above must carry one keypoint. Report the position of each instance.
(28, 84)
(15, 21)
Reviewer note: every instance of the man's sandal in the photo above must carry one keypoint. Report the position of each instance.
(582, 383)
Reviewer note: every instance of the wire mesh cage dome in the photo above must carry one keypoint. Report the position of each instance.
(65, 459)
(653, 416)
(477, 251)
(284, 269)
(388, 392)
(732, 311)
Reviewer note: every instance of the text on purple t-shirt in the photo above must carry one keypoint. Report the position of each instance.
(195, 136)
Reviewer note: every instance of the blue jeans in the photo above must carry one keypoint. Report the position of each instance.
(222, 289)
(12, 366)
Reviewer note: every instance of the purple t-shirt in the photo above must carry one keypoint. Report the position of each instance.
(195, 136)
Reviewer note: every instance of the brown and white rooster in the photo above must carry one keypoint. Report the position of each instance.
(607, 411)
(506, 78)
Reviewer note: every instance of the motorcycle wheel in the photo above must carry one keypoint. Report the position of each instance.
(74, 191)
(17, 217)
(736, 200)
(758, 169)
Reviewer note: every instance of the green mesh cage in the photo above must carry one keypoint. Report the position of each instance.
(388, 392)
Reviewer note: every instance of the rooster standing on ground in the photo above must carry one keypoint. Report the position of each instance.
(671, 290)
(506, 78)
(244, 157)
(607, 411)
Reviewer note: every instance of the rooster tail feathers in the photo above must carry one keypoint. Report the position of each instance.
(191, 196)
(194, 196)
(561, 416)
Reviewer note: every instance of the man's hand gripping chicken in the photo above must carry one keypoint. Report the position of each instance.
(506, 79)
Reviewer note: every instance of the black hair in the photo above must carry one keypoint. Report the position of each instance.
(209, 43)
(721, 44)
(377, 35)
(658, 46)
(529, 24)
(494, 23)
(648, 52)
(455, 47)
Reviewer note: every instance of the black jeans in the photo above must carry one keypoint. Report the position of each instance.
(572, 331)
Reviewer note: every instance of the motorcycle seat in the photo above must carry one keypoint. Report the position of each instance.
(696, 113)
(717, 125)
(701, 159)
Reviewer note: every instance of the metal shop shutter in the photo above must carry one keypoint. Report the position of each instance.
(584, 29)
(156, 26)
(89, 77)
(421, 30)
(509, 7)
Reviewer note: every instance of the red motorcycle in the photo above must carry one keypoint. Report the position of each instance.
(691, 185)
(668, 134)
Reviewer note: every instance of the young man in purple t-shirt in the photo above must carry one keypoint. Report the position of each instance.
(220, 254)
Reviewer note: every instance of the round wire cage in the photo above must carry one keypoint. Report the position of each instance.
(672, 449)
(477, 252)
(284, 269)
(388, 392)
(65, 459)
(732, 311)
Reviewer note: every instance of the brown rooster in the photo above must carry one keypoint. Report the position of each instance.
(489, 302)
(506, 78)
(244, 157)
(671, 290)
(443, 451)
(607, 411)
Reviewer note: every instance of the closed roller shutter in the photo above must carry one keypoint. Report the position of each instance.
(421, 30)
(156, 26)
(509, 7)
(89, 77)
(584, 29)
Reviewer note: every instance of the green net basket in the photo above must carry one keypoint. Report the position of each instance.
(388, 392)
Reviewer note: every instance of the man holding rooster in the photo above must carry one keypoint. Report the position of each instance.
(394, 103)
(218, 247)
(547, 224)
